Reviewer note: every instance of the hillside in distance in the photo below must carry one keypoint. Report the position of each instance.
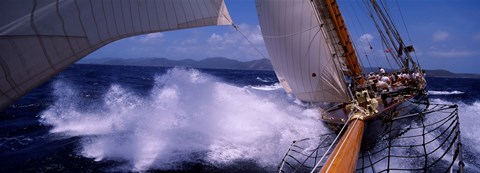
(208, 63)
(225, 63)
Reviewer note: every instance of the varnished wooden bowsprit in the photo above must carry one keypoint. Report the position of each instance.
(344, 156)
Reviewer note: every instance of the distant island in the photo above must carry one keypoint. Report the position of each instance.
(208, 63)
(225, 63)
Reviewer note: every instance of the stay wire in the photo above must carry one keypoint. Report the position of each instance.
(246, 38)
(238, 29)
(408, 33)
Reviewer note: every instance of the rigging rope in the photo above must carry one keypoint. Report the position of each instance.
(368, 40)
(331, 145)
(343, 142)
(238, 29)
(244, 36)
(408, 33)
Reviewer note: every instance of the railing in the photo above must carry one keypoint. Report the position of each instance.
(428, 141)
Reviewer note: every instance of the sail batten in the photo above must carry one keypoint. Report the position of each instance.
(38, 39)
(300, 52)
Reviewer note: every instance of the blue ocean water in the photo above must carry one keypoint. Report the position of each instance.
(124, 118)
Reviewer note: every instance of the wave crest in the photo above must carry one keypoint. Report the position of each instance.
(187, 116)
(445, 92)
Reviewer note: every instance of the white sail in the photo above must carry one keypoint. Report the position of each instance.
(39, 38)
(301, 51)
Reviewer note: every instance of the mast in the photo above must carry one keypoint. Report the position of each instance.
(344, 41)
(345, 155)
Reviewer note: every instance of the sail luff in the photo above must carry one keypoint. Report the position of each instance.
(38, 39)
(301, 55)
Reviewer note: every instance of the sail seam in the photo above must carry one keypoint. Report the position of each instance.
(40, 41)
(63, 27)
(199, 11)
(148, 16)
(8, 77)
(140, 18)
(123, 18)
(106, 19)
(94, 21)
(81, 21)
(114, 17)
(293, 34)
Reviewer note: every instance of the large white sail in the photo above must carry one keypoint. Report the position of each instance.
(39, 38)
(301, 50)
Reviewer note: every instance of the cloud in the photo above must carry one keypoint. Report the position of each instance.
(366, 38)
(440, 36)
(149, 38)
(365, 42)
(196, 43)
(476, 36)
(453, 53)
(230, 44)
(215, 38)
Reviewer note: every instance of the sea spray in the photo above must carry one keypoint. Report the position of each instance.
(187, 116)
(469, 118)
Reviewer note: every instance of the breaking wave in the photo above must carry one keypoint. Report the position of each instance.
(263, 80)
(445, 92)
(275, 86)
(187, 116)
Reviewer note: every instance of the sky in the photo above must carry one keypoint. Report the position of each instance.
(444, 33)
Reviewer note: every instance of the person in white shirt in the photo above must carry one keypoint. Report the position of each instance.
(382, 71)
(386, 79)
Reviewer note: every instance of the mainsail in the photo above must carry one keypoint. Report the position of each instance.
(303, 50)
(40, 38)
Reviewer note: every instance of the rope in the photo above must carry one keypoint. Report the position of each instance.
(238, 29)
(343, 142)
(408, 33)
(246, 38)
(331, 145)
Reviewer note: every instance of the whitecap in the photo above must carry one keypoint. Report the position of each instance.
(445, 92)
(187, 112)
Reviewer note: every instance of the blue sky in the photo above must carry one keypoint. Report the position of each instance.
(445, 34)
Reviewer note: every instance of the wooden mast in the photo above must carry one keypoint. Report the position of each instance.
(345, 155)
(345, 42)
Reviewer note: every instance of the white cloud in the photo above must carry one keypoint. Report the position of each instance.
(452, 53)
(440, 36)
(366, 38)
(476, 36)
(231, 44)
(215, 38)
(365, 42)
(153, 37)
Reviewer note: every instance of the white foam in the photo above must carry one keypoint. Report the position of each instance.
(275, 86)
(445, 92)
(263, 80)
(469, 118)
(187, 112)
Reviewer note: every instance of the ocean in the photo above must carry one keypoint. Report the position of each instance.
(92, 118)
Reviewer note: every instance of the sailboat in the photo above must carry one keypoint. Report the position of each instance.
(309, 46)
(315, 60)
